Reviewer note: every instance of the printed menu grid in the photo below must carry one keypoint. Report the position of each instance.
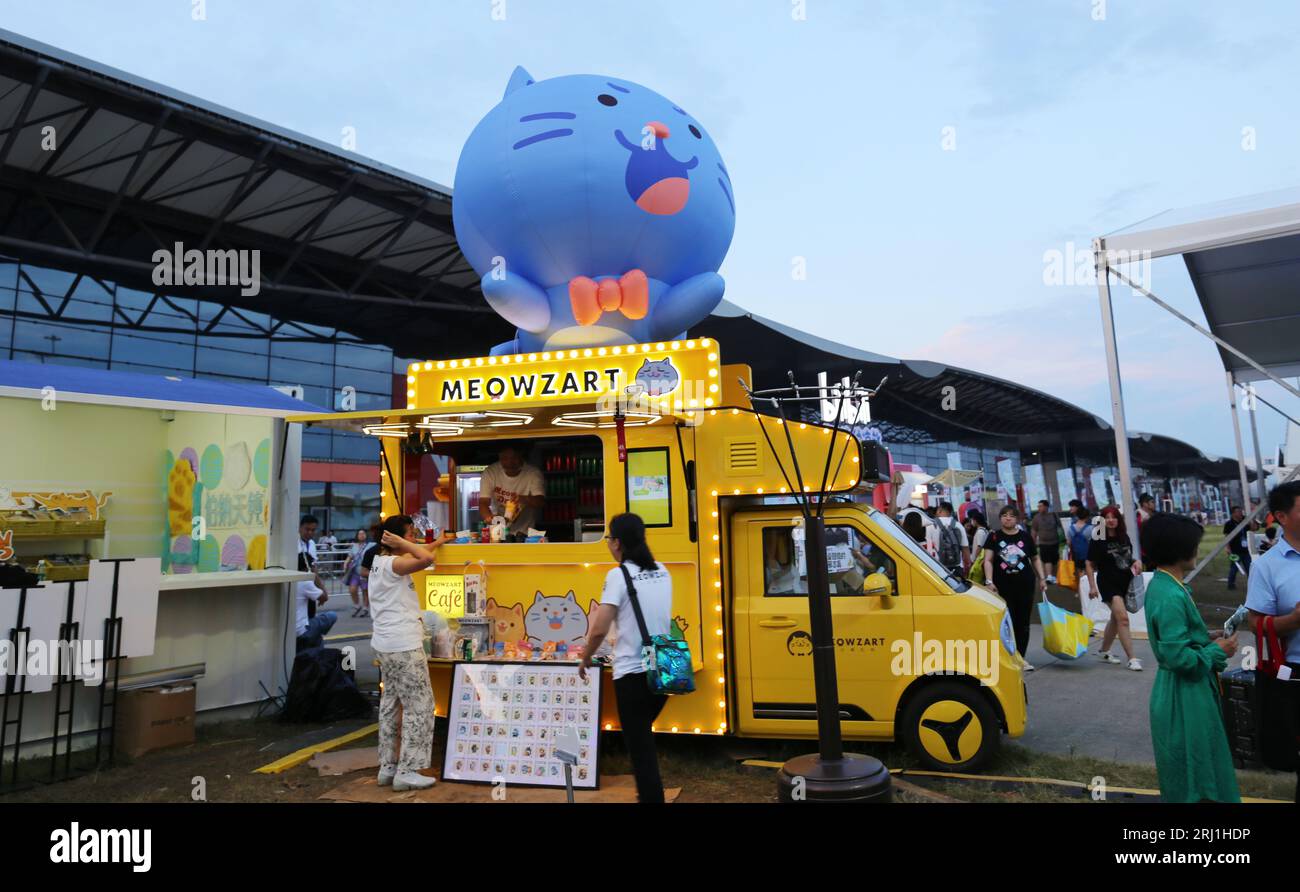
(504, 719)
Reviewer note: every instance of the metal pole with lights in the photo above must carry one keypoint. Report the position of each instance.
(830, 774)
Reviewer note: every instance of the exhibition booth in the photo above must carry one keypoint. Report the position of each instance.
(157, 518)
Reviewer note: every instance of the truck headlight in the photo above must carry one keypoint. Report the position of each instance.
(1007, 633)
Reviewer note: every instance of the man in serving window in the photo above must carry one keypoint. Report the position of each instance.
(513, 489)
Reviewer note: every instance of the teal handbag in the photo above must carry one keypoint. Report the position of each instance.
(667, 660)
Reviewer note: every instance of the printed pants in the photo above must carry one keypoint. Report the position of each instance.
(637, 711)
(406, 681)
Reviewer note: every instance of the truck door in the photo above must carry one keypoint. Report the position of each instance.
(871, 607)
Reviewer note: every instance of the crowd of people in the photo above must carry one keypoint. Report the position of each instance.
(1018, 559)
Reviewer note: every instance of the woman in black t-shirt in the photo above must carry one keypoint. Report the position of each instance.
(1111, 568)
(1013, 569)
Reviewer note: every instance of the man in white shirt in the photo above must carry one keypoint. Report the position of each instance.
(311, 630)
(513, 489)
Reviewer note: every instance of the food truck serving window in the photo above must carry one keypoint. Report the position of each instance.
(557, 488)
(649, 486)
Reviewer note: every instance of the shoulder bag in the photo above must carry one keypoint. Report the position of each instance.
(667, 660)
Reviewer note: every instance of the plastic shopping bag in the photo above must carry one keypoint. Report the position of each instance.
(1065, 634)
(1066, 575)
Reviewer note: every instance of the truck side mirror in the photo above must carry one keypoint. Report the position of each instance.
(878, 584)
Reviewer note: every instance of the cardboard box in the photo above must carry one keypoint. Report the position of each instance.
(154, 718)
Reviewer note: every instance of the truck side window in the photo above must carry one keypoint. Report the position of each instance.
(850, 558)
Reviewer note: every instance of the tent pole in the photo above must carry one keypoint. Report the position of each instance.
(1259, 456)
(1128, 499)
(1241, 453)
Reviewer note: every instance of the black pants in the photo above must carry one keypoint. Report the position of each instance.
(637, 710)
(1020, 603)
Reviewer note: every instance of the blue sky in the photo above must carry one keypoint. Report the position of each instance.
(1064, 127)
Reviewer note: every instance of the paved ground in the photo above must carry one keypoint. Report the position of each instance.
(1089, 708)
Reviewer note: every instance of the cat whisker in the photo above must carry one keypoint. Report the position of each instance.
(548, 116)
(727, 192)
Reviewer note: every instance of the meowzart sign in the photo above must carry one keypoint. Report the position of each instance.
(681, 370)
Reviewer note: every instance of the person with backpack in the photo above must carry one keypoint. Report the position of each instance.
(951, 543)
(1080, 537)
(649, 587)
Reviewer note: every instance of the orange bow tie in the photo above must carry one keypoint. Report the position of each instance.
(629, 295)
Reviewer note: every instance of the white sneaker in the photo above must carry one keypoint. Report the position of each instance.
(1028, 667)
(1135, 664)
(386, 776)
(1108, 657)
(1052, 580)
(412, 780)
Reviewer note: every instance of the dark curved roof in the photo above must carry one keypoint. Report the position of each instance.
(346, 242)
(916, 393)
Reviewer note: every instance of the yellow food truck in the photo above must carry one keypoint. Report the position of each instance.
(666, 431)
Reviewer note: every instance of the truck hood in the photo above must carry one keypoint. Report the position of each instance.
(984, 595)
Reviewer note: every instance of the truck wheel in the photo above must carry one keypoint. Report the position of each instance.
(949, 726)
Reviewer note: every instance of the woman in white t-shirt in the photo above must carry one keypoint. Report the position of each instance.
(398, 643)
(637, 706)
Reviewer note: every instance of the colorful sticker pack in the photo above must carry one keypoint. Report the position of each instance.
(504, 720)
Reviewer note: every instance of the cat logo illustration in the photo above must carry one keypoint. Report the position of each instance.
(656, 377)
(507, 622)
(556, 619)
(799, 644)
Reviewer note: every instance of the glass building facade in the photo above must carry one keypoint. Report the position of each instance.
(52, 316)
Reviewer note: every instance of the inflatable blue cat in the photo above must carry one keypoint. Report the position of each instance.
(596, 212)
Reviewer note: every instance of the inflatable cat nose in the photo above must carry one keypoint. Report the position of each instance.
(660, 129)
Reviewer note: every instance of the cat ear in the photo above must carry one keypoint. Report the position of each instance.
(538, 599)
(571, 598)
(491, 604)
(518, 80)
(519, 610)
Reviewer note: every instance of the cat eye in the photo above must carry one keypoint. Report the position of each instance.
(695, 131)
(606, 99)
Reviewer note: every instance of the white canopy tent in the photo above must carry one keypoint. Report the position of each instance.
(1243, 257)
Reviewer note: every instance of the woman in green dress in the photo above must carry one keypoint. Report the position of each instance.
(1193, 760)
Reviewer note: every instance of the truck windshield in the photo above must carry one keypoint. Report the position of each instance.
(891, 528)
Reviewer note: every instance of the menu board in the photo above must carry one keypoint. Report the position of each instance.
(504, 719)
